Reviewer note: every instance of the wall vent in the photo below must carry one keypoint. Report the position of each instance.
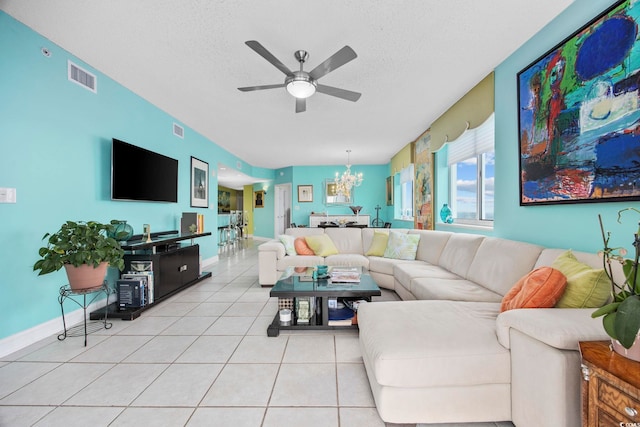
(178, 130)
(82, 77)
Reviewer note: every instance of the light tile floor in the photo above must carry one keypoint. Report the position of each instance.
(201, 358)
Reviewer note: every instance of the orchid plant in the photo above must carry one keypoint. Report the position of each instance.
(621, 318)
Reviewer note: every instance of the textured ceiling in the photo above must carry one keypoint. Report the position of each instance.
(415, 59)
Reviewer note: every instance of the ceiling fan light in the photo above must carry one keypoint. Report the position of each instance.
(301, 88)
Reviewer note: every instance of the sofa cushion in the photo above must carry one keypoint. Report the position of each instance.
(299, 261)
(433, 343)
(321, 245)
(346, 240)
(586, 287)
(459, 252)
(407, 271)
(428, 288)
(499, 263)
(402, 246)
(287, 241)
(384, 265)
(301, 247)
(432, 242)
(347, 260)
(541, 288)
(378, 244)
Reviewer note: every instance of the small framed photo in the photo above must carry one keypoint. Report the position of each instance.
(305, 193)
(199, 183)
(389, 191)
(258, 199)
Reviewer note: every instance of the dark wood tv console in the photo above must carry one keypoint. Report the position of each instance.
(176, 266)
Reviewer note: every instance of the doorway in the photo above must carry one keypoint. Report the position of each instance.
(282, 207)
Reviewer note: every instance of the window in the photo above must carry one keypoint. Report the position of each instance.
(471, 164)
(406, 194)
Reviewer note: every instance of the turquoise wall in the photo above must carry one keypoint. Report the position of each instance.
(56, 144)
(369, 194)
(568, 226)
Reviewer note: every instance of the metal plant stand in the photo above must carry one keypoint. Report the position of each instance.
(88, 296)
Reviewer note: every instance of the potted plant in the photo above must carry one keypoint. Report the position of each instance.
(85, 249)
(621, 318)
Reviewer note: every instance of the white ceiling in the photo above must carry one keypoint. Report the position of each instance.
(415, 59)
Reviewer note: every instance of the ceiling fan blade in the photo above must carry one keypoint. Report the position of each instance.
(301, 105)
(262, 51)
(340, 93)
(251, 88)
(336, 60)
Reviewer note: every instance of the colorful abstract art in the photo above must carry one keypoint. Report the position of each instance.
(423, 184)
(579, 115)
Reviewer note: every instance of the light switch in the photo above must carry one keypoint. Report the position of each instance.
(7, 195)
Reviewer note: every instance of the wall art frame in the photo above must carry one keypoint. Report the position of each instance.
(305, 193)
(389, 191)
(199, 183)
(258, 199)
(332, 197)
(579, 115)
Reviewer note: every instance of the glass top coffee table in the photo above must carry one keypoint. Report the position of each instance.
(310, 300)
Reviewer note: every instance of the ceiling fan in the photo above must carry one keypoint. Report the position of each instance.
(302, 84)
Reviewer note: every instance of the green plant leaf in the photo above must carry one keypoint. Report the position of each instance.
(605, 309)
(629, 268)
(627, 321)
(608, 322)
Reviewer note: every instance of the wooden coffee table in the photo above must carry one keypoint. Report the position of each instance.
(292, 286)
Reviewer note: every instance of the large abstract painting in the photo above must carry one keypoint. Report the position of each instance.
(579, 115)
(423, 183)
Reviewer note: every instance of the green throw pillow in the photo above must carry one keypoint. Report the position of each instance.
(378, 244)
(287, 241)
(321, 245)
(402, 246)
(587, 287)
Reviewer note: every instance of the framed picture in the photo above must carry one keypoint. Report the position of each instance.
(333, 197)
(578, 115)
(389, 191)
(305, 193)
(199, 183)
(224, 201)
(258, 199)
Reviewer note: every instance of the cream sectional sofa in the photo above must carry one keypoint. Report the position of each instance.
(446, 353)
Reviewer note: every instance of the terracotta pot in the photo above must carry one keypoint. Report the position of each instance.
(632, 353)
(86, 276)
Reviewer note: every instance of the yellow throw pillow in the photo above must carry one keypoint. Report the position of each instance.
(321, 245)
(587, 287)
(378, 244)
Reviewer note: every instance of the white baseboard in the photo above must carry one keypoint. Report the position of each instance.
(25, 338)
(207, 262)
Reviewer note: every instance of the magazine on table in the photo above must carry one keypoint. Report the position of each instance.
(345, 275)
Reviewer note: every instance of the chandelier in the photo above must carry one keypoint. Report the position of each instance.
(346, 181)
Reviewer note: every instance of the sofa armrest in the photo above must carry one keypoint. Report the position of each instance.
(273, 246)
(268, 255)
(561, 328)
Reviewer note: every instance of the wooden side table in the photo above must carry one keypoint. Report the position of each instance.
(610, 387)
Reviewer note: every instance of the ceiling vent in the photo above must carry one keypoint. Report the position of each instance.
(82, 77)
(178, 130)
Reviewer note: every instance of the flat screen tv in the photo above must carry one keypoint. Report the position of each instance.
(140, 174)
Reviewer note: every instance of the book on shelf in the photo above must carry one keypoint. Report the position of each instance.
(144, 268)
(344, 322)
(146, 280)
(340, 316)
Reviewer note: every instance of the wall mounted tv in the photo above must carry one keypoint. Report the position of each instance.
(140, 174)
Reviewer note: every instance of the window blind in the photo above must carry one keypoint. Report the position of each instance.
(472, 142)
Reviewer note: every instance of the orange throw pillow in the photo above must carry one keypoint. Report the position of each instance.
(541, 288)
(301, 247)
